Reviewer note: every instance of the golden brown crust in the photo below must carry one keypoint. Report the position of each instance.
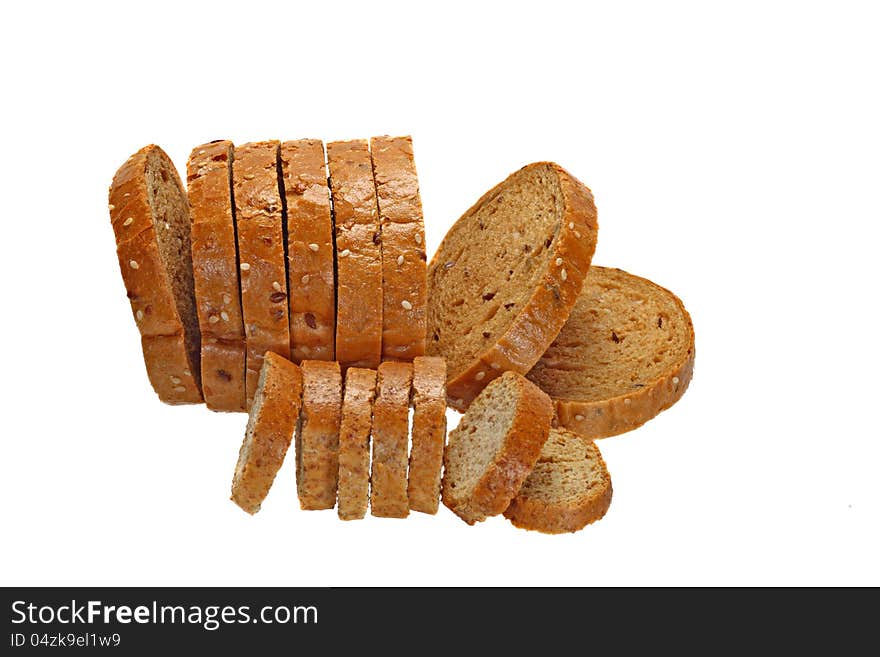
(311, 278)
(546, 311)
(272, 424)
(172, 373)
(358, 255)
(215, 274)
(428, 433)
(317, 435)
(353, 496)
(404, 280)
(262, 270)
(388, 498)
(515, 459)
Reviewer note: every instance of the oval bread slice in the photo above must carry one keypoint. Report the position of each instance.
(625, 354)
(506, 276)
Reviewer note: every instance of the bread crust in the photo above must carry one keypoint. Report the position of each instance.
(172, 373)
(404, 269)
(428, 433)
(548, 307)
(272, 432)
(311, 276)
(317, 435)
(388, 496)
(353, 495)
(358, 255)
(215, 274)
(262, 271)
(514, 460)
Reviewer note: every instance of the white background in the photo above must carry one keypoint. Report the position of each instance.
(734, 152)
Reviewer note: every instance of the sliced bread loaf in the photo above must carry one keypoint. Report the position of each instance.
(358, 255)
(311, 279)
(215, 274)
(494, 447)
(506, 276)
(353, 495)
(151, 221)
(625, 354)
(428, 433)
(403, 248)
(262, 270)
(568, 488)
(388, 498)
(270, 427)
(317, 435)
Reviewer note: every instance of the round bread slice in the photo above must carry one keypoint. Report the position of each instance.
(568, 488)
(317, 435)
(428, 433)
(150, 218)
(353, 496)
(625, 354)
(494, 447)
(506, 276)
(215, 274)
(270, 428)
(388, 498)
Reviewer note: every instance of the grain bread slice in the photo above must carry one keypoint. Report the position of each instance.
(270, 428)
(403, 248)
(358, 255)
(568, 488)
(215, 274)
(506, 276)
(317, 435)
(494, 447)
(428, 433)
(625, 354)
(262, 271)
(311, 278)
(388, 497)
(150, 218)
(353, 495)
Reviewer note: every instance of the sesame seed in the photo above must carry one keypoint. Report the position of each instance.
(128, 222)
(305, 279)
(167, 226)
(244, 266)
(344, 253)
(224, 316)
(577, 234)
(187, 373)
(133, 264)
(675, 380)
(202, 152)
(579, 418)
(418, 238)
(112, 207)
(558, 261)
(179, 389)
(627, 401)
(248, 176)
(304, 348)
(227, 299)
(175, 380)
(401, 348)
(139, 315)
(276, 286)
(406, 304)
(127, 194)
(479, 376)
(563, 274)
(399, 260)
(213, 319)
(313, 246)
(459, 401)
(571, 225)
(495, 366)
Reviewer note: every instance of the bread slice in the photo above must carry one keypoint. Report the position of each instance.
(353, 495)
(625, 354)
(358, 255)
(317, 435)
(568, 488)
(215, 274)
(403, 248)
(506, 275)
(428, 433)
(494, 447)
(388, 497)
(311, 279)
(263, 274)
(151, 221)
(269, 431)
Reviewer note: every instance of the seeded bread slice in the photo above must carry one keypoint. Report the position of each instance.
(150, 218)
(506, 276)
(311, 279)
(270, 427)
(625, 354)
(353, 495)
(428, 433)
(317, 435)
(388, 498)
(262, 269)
(494, 447)
(403, 248)
(215, 273)
(358, 255)
(568, 489)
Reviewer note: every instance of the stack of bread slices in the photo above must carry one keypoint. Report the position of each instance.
(290, 281)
